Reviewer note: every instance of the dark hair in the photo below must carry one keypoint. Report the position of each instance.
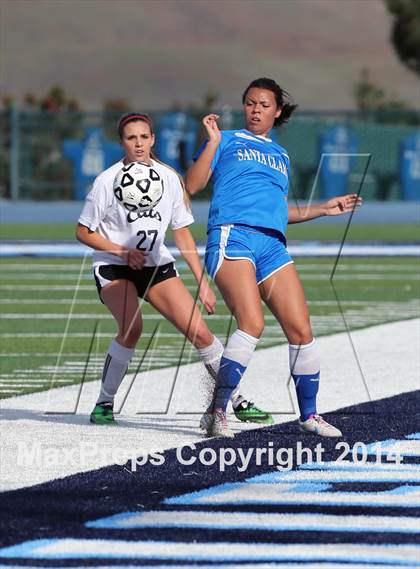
(133, 117)
(283, 99)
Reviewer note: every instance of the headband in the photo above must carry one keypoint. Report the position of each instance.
(132, 117)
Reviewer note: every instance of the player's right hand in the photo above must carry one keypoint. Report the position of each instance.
(212, 128)
(134, 258)
(207, 297)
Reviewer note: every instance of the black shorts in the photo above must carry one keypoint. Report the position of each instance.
(143, 278)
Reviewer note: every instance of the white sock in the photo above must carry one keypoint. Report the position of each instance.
(115, 368)
(241, 346)
(304, 359)
(235, 359)
(211, 356)
(236, 397)
(251, 344)
(304, 366)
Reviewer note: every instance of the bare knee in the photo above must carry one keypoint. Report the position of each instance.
(300, 336)
(254, 327)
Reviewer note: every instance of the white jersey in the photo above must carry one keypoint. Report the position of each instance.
(144, 231)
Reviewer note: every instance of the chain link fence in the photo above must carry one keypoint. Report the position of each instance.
(34, 164)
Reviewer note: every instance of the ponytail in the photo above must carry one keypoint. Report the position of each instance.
(286, 112)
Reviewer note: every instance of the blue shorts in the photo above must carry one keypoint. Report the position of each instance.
(263, 247)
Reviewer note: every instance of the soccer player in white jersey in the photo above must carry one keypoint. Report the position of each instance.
(246, 251)
(131, 261)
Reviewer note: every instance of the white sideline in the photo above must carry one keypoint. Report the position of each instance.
(64, 444)
(48, 249)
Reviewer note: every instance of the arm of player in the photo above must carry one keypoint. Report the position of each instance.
(199, 173)
(334, 206)
(187, 247)
(133, 257)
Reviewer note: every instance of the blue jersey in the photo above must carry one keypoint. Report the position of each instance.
(251, 182)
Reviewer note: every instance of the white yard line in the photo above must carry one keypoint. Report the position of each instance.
(46, 287)
(303, 267)
(304, 275)
(48, 249)
(23, 266)
(396, 303)
(373, 309)
(37, 301)
(93, 316)
(40, 274)
(53, 301)
(78, 335)
(37, 447)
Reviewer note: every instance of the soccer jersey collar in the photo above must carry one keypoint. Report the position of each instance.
(265, 138)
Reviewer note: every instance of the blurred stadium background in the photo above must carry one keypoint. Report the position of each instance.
(68, 70)
(61, 98)
(55, 155)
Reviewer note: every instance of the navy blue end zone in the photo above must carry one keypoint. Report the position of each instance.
(84, 506)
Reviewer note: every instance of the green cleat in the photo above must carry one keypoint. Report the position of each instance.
(247, 412)
(103, 414)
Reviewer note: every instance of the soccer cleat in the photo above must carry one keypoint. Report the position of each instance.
(103, 414)
(219, 425)
(316, 424)
(246, 411)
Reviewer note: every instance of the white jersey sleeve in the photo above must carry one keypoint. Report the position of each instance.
(99, 200)
(181, 214)
(94, 209)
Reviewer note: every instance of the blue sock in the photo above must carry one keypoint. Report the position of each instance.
(230, 374)
(306, 391)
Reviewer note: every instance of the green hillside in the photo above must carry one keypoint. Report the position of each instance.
(162, 52)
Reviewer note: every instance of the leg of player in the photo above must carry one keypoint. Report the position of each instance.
(283, 293)
(173, 300)
(120, 297)
(236, 282)
(245, 410)
(244, 303)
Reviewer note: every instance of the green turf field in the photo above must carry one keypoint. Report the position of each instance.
(402, 232)
(50, 311)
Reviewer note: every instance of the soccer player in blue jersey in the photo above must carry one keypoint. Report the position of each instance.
(246, 251)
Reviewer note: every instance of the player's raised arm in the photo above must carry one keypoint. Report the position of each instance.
(199, 173)
(334, 206)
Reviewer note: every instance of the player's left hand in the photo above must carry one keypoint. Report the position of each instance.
(342, 204)
(207, 297)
